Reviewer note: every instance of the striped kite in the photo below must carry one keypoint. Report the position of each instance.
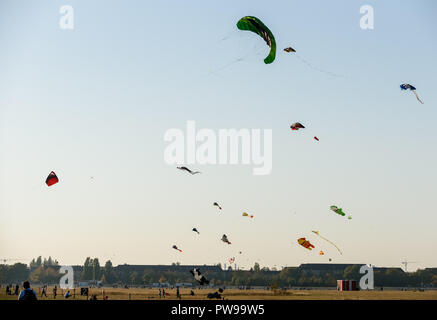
(305, 243)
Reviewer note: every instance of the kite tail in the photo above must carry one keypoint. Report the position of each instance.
(417, 97)
(333, 245)
(179, 250)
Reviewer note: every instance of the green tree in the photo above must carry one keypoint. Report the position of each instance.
(352, 272)
(18, 272)
(38, 261)
(32, 264)
(96, 269)
(87, 271)
(133, 277)
(108, 271)
(147, 277)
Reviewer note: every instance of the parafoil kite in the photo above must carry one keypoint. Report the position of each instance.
(52, 179)
(195, 230)
(176, 248)
(305, 243)
(199, 277)
(225, 239)
(289, 49)
(247, 215)
(188, 170)
(406, 86)
(338, 210)
(317, 232)
(297, 126)
(217, 205)
(255, 25)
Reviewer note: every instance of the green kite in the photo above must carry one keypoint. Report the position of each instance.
(338, 210)
(255, 25)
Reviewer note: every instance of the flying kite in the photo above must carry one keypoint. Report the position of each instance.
(321, 253)
(188, 170)
(217, 205)
(406, 86)
(305, 243)
(338, 210)
(289, 49)
(52, 179)
(317, 232)
(247, 215)
(195, 230)
(315, 138)
(255, 25)
(176, 248)
(231, 260)
(225, 239)
(297, 126)
(199, 277)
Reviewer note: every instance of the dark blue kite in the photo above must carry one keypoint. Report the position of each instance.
(406, 86)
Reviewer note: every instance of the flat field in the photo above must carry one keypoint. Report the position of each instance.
(235, 294)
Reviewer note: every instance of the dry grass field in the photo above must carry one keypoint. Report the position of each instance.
(234, 294)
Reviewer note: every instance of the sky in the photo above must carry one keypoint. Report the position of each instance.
(93, 104)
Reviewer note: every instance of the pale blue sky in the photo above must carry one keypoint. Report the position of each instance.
(96, 101)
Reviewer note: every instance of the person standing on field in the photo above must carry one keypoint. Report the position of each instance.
(44, 291)
(27, 294)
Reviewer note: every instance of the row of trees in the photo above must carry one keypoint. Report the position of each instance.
(47, 271)
(38, 262)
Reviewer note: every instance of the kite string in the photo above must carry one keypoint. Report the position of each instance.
(316, 68)
(250, 52)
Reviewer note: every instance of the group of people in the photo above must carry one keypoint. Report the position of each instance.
(162, 293)
(9, 289)
(27, 294)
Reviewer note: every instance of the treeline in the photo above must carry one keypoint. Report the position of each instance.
(46, 271)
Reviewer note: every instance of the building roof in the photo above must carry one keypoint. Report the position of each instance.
(187, 268)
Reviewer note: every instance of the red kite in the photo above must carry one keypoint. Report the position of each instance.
(52, 179)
